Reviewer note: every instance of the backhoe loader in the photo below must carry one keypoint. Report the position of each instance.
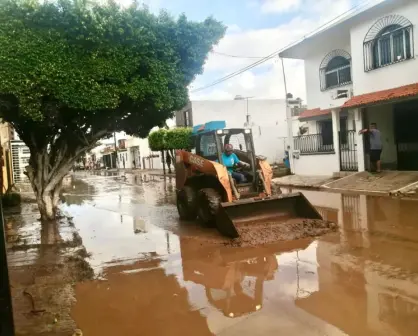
(207, 191)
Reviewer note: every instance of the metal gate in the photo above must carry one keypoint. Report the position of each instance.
(348, 151)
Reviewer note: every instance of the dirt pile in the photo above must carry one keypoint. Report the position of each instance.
(256, 234)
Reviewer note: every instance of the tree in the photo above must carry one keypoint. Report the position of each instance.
(169, 140)
(72, 72)
(176, 138)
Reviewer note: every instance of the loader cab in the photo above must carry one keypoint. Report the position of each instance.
(210, 139)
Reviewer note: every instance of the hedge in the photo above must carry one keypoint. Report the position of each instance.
(176, 138)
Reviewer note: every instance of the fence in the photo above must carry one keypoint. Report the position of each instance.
(313, 143)
(348, 151)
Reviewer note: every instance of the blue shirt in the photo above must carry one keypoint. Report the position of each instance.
(230, 161)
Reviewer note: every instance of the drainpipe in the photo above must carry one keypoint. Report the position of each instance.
(289, 124)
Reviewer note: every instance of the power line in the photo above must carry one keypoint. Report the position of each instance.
(236, 56)
(274, 54)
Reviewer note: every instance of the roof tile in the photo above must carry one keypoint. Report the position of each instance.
(313, 113)
(382, 96)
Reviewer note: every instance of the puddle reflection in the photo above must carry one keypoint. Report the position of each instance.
(362, 280)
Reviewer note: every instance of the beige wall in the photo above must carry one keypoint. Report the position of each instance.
(6, 134)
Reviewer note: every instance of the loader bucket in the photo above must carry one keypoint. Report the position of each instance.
(252, 211)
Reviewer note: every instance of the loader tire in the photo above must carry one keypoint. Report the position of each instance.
(187, 203)
(209, 201)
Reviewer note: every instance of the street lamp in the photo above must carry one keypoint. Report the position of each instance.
(239, 97)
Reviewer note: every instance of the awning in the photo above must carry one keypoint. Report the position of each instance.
(384, 96)
(312, 113)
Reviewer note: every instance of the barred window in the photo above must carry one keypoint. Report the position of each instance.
(335, 70)
(389, 41)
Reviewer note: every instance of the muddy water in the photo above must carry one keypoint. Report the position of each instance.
(157, 276)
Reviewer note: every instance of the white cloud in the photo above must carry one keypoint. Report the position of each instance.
(279, 6)
(268, 84)
(265, 81)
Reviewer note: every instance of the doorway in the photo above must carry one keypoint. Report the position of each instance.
(406, 135)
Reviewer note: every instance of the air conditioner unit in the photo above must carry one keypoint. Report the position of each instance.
(341, 94)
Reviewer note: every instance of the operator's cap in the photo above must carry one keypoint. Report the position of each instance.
(229, 148)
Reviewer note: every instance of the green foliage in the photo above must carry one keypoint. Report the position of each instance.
(81, 70)
(156, 140)
(177, 138)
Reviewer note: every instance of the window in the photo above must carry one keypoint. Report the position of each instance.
(343, 131)
(207, 146)
(325, 129)
(186, 117)
(335, 70)
(389, 41)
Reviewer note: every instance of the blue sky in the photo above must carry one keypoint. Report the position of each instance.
(255, 28)
(239, 12)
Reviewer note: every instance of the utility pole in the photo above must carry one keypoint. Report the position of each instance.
(6, 311)
(289, 122)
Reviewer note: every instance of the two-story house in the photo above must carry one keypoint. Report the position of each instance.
(362, 69)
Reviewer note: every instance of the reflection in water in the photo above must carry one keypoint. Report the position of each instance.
(361, 280)
(137, 299)
(373, 272)
(139, 226)
(233, 278)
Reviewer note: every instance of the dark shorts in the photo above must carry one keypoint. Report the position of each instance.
(375, 155)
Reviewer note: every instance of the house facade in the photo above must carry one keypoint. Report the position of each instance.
(139, 155)
(360, 70)
(266, 118)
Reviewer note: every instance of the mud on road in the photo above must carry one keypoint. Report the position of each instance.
(261, 233)
(155, 275)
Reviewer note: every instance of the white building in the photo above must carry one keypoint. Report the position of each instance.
(20, 154)
(359, 70)
(139, 155)
(266, 117)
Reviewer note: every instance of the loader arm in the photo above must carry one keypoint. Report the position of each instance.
(189, 164)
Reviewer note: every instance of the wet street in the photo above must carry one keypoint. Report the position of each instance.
(150, 274)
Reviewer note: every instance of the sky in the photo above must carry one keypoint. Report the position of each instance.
(256, 28)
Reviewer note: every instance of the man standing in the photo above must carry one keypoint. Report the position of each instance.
(230, 160)
(375, 145)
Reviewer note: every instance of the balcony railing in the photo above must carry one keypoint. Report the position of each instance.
(314, 144)
(392, 47)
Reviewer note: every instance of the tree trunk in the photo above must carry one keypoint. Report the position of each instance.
(47, 183)
(168, 160)
(163, 160)
(48, 199)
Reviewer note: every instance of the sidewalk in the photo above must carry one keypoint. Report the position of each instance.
(303, 181)
(386, 183)
(44, 263)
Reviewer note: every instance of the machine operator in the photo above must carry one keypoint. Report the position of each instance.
(230, 161)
